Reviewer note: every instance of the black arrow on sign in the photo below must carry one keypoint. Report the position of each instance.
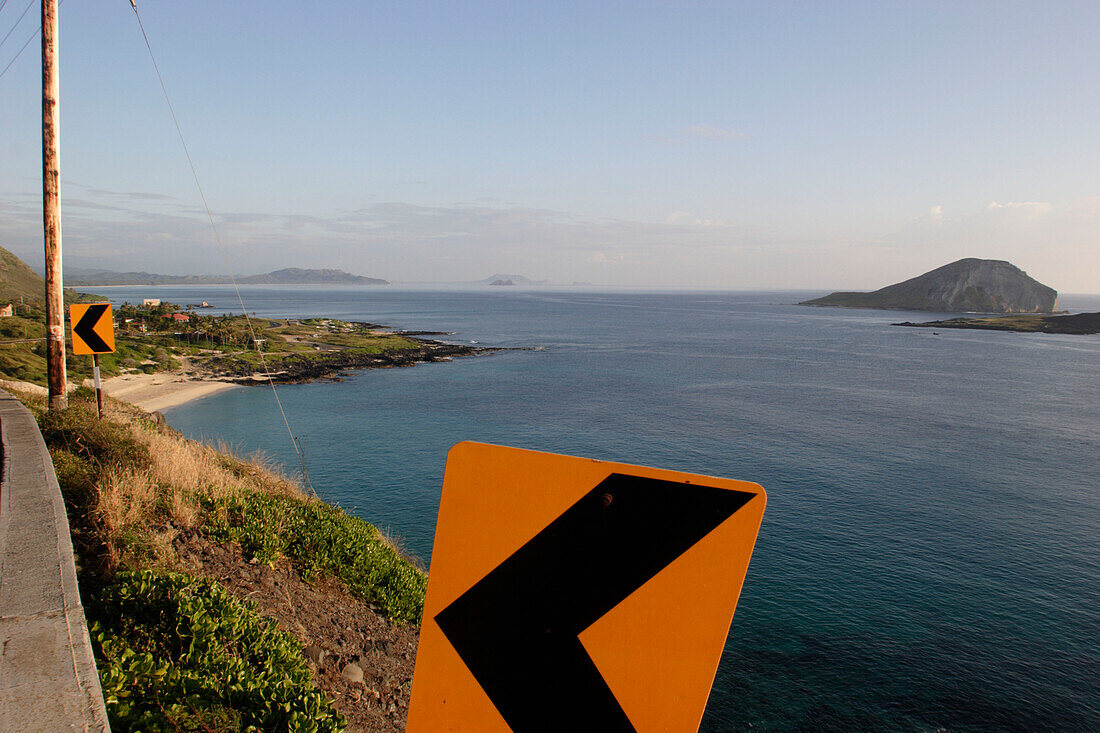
(517, 629)
(85, 328)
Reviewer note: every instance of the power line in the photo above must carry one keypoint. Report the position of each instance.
(24, 46)
(25, 11)
(225, 256)
(12, 62)
(20, 52)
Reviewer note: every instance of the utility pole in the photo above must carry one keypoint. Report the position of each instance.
(51, 210)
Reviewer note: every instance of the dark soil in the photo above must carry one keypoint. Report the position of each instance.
(360, 659)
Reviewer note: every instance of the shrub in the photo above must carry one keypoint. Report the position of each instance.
(176, 652)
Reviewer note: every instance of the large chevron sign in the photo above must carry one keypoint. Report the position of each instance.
(571, 594)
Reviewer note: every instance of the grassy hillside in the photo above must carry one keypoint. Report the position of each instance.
(17, 280)
(177, 651)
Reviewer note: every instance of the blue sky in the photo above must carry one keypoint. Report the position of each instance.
(733, 145)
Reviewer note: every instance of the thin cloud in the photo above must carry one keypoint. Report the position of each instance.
(696, 133)
(130, 195)
(709, 132)
(686, 218)
(1027, 210)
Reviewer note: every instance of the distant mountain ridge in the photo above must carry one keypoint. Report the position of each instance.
(287, 276)
(968, 285)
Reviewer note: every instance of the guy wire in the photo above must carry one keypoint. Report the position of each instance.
(225, 256)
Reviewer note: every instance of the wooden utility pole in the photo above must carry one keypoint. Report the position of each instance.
(51, 210)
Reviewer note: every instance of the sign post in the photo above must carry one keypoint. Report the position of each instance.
(98, 387)
(567, 593)
(93, 330)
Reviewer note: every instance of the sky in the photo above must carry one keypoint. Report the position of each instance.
(729, 145)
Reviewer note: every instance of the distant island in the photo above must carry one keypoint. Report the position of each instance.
(1076, 324)
(499, 279)
(288, 276)
(969, 285)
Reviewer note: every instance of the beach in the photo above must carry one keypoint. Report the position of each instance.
(149, 392)
(153, 392)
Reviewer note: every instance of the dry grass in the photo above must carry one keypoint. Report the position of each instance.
(165, 497)
(139, 485)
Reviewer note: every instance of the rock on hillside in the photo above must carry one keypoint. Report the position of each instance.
(967, 286)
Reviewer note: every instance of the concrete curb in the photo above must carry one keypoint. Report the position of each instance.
(48, 677)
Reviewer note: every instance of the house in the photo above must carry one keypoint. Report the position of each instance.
(150, 303)
(7, 310)
(178, 317)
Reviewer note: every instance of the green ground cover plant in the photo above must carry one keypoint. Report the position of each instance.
(322, 540)
(177, 652)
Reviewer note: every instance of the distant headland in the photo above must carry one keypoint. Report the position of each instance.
(969, 285)
(288, 276)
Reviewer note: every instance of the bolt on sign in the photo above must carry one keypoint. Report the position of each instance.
(575, 594)
(93, 328)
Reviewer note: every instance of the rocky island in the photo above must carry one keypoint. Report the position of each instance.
(969, 285)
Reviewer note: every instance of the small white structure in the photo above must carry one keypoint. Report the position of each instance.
(7, 310)
(150, 302)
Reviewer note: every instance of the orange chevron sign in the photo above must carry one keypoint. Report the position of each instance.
(93, 328)
(573, 594)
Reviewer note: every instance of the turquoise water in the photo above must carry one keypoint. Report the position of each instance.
(928, 559)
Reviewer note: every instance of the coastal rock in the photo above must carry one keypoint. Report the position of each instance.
(967, 286)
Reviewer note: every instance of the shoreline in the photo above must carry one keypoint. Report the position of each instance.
(164, 390)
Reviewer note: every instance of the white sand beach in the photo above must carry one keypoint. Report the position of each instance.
(152, 392)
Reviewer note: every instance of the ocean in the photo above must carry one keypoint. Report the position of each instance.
(929, 559)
